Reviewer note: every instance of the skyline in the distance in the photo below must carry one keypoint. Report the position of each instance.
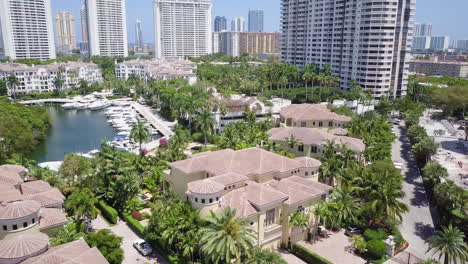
(432, 11)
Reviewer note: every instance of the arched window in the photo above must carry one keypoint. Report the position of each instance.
(300, 209)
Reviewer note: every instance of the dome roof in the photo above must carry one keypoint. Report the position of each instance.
(18, 209)
(205, 187)
(23, 245)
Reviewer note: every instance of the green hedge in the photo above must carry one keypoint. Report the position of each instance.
(308, 256)
(108, 212)
(375, 249)
(134, 225)
(372, 234)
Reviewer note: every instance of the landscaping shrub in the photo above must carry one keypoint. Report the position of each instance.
(198, 137)
(398, 239)
(134, 225)
(372, 234)
(375, 249)
(108, 212)
(308, 256)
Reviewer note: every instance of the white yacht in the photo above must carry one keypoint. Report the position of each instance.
(97, 105)
(69, 106)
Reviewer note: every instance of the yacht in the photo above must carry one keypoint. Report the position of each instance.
(69, 106)
(97, 105)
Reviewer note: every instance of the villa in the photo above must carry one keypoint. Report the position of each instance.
(263, 187)
(29, 213)
(312, 141)
(236, 105)
(311, 115)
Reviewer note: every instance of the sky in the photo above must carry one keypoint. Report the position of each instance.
(448, 17)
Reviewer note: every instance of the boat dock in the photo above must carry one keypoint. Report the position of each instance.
(155, 120)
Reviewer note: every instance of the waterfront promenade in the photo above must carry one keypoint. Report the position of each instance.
(153, 118)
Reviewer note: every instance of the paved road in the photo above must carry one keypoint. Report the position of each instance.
(131, 255)
(418, 223)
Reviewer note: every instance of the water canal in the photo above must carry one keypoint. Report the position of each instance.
(72, 131)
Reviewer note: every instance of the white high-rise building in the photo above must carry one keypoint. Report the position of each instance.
(421, 43)
(182, 28)
(364, 40)
(26, 28)
(440, 42)
(138, 33)
(107, 27)
(238, 24)
(422, 29)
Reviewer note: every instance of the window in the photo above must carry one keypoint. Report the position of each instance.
(211, 200)
(196, 199)
(320, 124)
(303, 124)
(313, 149)
(33, 220)
(313, 123)
(5, 228)
(300, 209)
(202, 200)
(217, 198)
(306, 173)
(300, 148)
(330, 124)
(25, 224)
(270, 217)
(15, 227)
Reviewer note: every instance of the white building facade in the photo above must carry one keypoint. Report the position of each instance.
(38, 79)
(157, 69)
(238, 24)
(26, 29)
(440, 42)
(421, 43)
(107, 27)
(364, 40)
(182, 28)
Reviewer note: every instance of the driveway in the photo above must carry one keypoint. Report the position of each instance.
(418, 222)
(335, 248)
(131, 255)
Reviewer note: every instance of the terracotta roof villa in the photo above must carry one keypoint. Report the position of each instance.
(311, 115)
(311, 141)
(29, 213)
(261, 186)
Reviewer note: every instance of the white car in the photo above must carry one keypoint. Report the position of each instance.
(143, 247)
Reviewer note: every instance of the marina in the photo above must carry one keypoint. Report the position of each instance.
(81, 124)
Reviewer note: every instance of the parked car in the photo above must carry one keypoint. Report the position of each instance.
(354, 231)
(143, 247)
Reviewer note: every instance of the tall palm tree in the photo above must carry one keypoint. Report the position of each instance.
(82, 204)
(205, 122)
(297, 220)
(226, 239)
(449, 243)
(140, 133)
(384, 202)
(347, 205)
(13, 83)
(292, 141)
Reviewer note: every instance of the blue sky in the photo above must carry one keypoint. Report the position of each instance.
(447, 16)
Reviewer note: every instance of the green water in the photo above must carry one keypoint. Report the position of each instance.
(72, 131)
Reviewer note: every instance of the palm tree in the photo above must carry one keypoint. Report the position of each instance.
(384, 202)
(82, 204)
(297, 220)
(205, 122)
(347, 205)
(449, 243)
(13, 83)
(226, 239)
(65, 235)
(358, 243)
(140, 133)
(292, 141)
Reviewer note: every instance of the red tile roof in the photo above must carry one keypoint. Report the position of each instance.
(18, 209)
(311, 112)
(23, 245)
